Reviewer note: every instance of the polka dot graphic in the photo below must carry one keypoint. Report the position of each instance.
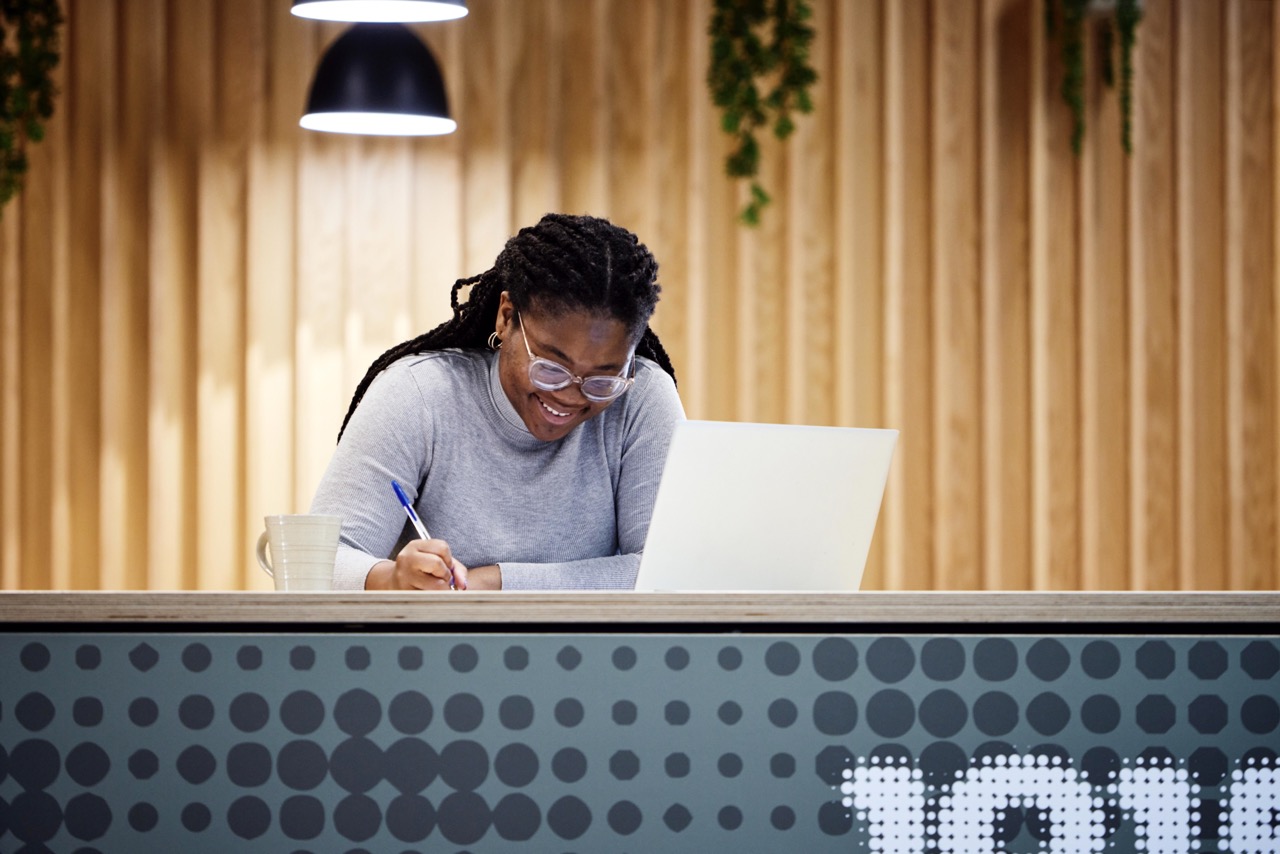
(366, 742)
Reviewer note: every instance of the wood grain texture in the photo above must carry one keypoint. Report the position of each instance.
(1104, 341)
(956, 295)
(1196, 613)
(1054, 311)
(1006, 290)
(1202, 348)
(911, 525)
(1251, 300)
(1153, 400)
(1079, 350)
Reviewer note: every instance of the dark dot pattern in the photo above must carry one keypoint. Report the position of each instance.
(35, 711)
(249, 712)
(249, 657)
(464, 818)
(410, 818)
(410, 765)
(942, 659)
(196, 711)
(516, 712)
(410, 712)
(597, 743)
(569, 765)
(143, 764)
(517, 817)
(87, 764)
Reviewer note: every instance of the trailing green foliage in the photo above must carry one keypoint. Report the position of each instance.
(1072, 15)
(29, 51)
(759, 76)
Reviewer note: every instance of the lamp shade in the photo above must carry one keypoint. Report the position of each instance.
(381, 11)
(378, 79)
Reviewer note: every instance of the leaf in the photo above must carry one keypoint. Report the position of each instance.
(759, 46)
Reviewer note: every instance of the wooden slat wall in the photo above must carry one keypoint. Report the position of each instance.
(1080, 350)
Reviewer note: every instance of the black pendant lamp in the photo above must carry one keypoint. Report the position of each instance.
(381, 11)
(378, 79)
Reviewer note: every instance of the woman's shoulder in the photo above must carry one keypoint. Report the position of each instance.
(652, 379)
(436, 366)
(652, 397)
(431, 376)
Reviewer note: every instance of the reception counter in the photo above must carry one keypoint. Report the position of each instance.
(639, 722)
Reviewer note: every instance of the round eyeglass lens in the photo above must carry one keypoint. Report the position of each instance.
(603, 388)
(548, 375)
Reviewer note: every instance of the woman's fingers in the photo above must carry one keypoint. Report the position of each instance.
(459, 575)
(426, 565)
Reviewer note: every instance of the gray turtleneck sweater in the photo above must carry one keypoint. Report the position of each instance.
(554, 515)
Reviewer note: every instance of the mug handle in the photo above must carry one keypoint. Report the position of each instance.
(262, 554)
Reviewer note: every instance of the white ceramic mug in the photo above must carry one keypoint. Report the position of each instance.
(303, 550)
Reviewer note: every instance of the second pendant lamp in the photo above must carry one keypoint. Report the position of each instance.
(378, 79)
(383, 11)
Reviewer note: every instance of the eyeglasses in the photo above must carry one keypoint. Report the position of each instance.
(552, 376)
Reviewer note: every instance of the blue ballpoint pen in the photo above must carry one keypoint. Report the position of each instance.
(408, 508)
(413, 516)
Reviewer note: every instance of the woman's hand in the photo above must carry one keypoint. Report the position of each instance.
(421, 565)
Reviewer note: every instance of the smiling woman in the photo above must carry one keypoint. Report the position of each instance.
(534, 465)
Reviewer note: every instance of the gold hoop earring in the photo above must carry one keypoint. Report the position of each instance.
(494, 341)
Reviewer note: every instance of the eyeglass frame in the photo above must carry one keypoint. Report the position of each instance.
(573, 378)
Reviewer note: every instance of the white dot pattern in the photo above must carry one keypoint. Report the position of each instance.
(967, 814)
(1160, 799)
(891, 797)
(1255, 807)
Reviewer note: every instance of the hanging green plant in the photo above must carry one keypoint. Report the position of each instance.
(29, 52)
(1119, 18)
(759, 76)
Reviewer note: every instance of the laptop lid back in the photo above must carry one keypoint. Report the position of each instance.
(766, 507)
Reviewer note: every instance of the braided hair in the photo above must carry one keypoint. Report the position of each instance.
(562, 264)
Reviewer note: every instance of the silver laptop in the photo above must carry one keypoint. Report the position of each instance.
(766, 507)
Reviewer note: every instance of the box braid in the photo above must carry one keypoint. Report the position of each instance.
(562, 264)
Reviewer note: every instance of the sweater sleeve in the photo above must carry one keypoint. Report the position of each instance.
(383, 441)
(647, 430)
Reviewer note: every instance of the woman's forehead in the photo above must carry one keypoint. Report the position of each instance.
(587, 337)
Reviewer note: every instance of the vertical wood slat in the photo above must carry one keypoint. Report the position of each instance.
(539, 49)
(319, 298)
(858, 234)
(66, 379)
(956, 329)
(672, 142)
(221, 559)
(1251, 367)
(810, 241)
(378, 214)
(1053, 346)
(11, 479)
(83, 110)
(908, 364)
(703, 171)
(1104, 341)
(1153, 271)
(122, 366)
(582, 105)
(1202, 372)
(485, 141)
(437, 192)
(1006, 267)
(718, 310)
(1079, 408)
(170, 324)
(269, 278)
(633, 117)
